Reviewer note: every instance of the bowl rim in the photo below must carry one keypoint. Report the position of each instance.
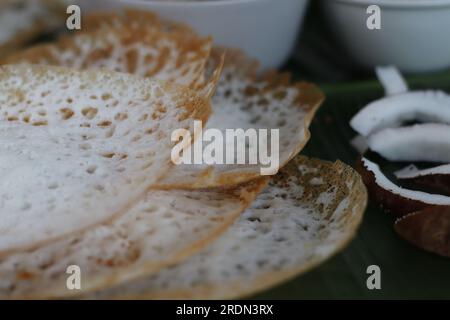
(192, 3)
(398, 4)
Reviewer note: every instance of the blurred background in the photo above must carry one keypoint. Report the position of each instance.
(321, 40)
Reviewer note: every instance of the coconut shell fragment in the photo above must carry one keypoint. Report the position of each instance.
(395, 199)
(437, 178)
(428, 229)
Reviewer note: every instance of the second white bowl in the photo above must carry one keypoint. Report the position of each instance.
(413, 33)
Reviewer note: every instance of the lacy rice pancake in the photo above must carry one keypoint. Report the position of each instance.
(162, 229)
(243, 100)
(309, 212)
(78, 148)
(138, 45)
(86, 156)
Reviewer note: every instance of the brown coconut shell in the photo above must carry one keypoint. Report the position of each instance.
(437, 182)
(428, 229)
(389, 201)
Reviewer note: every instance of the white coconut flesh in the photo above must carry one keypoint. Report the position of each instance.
(423, 142)
(392, 80)
(395, 110)
(360, 144)
(412, 171)
(382, 181)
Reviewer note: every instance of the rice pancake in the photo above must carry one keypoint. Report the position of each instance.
(146, 51)
(243, 100)
(162, 229)
(79, 148)
(309, 212)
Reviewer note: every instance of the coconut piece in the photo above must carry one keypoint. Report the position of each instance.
(23, 20)
(437, 178)
(162, 229)
(412, 171)
(428, 229)
(79, 148)
(393, 111)
(146, 51)
(422, 142)
(245, 101)
(360, 144)
(393, 198)
(392, 80)
(309, 212)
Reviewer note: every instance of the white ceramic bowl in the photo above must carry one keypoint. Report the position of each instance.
(413, 33)
(265, 29)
